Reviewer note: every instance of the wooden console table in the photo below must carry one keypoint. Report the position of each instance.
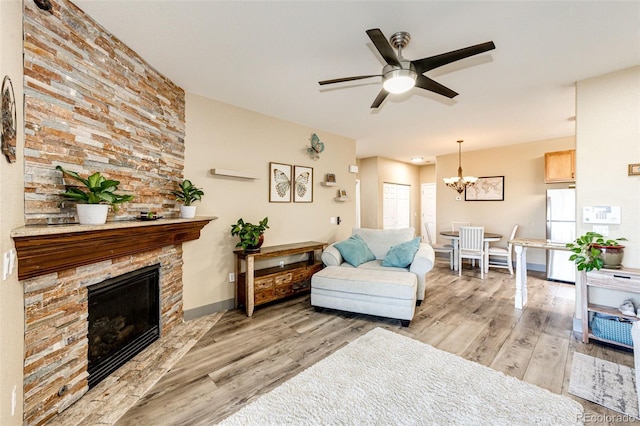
(256, 287)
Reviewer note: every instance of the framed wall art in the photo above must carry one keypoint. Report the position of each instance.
(279, 183)
(488, 188)
(303, 184)
(634, 169)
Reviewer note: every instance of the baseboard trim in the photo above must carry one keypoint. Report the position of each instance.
(201, 311)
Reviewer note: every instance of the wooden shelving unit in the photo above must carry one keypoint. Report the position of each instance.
(625, 279)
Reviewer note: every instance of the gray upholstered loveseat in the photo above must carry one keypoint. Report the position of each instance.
(380, 241)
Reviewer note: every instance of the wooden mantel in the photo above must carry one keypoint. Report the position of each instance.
(43, 249)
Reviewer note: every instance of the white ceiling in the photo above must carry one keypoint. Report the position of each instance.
(267, 56)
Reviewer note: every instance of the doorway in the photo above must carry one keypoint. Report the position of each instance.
(428, 209)
(396, 206)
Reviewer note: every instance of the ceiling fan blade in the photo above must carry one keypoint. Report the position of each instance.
(383, 46)
(432, 86)
(426, 64)
(381, 97)
(340, 80)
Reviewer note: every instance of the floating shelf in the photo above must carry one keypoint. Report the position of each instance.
(328, 184)
(233, 173)
(342, 199)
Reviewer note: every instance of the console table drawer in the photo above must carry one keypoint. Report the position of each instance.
(263, 283)
(283, 279)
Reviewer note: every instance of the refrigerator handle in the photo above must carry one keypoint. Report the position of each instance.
(548, 218)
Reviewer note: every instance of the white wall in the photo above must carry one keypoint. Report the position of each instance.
(11, 216)
(608, 140)
(223, 136)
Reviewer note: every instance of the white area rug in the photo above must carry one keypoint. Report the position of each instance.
(383, 378)
(605, 383)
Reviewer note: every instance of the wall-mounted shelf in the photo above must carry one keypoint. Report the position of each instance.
(341, 199)
(233, 173)
(328, 184)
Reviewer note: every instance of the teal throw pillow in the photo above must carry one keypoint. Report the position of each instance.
(401, 255)
(355, 251)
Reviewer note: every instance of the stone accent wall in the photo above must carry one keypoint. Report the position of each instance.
(56, 327)
(92, 104)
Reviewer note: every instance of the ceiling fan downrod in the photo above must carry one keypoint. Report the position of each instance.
(400, 40)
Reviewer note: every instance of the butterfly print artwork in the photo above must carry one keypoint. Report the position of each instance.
(303, 184)
(279, 183)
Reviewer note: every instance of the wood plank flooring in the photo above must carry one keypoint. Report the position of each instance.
(241, 358)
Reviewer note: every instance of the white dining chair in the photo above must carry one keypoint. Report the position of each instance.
(471, 246)
(455, 226)
(440, 248)
(502, 252)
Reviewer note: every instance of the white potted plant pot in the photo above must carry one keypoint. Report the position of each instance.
(92, 214)
(187, 212)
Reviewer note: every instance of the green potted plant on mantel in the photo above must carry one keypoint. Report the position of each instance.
(187, 193)
(591, 251)
(251, 236)
(93, 205)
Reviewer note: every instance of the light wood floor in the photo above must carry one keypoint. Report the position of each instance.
(242, 358)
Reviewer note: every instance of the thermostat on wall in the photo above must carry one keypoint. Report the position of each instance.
(353, 169)
(601, 214)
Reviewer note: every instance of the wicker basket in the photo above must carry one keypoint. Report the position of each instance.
(611, 328)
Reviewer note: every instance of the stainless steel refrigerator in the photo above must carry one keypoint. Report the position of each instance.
(561, 228)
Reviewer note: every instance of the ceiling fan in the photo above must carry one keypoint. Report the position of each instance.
(400, 74)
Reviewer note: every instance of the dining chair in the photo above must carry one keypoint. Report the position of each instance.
(440, 248)
(497, 251)
(455, 226)
(471, 246)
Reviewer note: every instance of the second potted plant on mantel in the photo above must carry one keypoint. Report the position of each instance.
(187, 193)
(251, 236)
(591, 251)
(93, 204)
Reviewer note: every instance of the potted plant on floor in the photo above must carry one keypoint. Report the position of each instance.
(93, 204)
(591, 251)
(186, 194)
(251, 236)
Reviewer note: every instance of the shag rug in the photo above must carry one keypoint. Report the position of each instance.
(605, 383)
(383, 378)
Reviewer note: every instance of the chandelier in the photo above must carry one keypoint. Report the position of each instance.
(460, 183)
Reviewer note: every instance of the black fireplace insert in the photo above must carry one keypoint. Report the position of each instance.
(124, 318)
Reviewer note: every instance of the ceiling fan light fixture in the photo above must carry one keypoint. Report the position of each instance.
(399, 80)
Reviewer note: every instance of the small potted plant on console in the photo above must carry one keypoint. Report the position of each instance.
(93, 205)
(251, 236)
(591, 251)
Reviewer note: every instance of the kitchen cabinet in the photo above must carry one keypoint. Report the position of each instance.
(560, 166)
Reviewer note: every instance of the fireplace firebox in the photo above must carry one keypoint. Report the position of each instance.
(124, 318)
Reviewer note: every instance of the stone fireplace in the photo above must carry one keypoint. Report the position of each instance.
(56, 279)
(91, 104)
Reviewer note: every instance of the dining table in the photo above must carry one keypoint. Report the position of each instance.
(454, 236)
